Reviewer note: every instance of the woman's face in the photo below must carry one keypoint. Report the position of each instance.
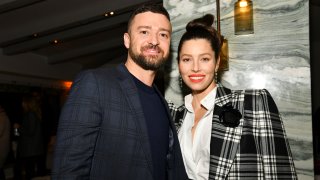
(197, 65)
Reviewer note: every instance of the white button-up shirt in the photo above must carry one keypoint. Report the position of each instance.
(196, 154)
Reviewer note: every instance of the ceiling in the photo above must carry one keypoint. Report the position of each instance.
(87, 34)
(83, 32)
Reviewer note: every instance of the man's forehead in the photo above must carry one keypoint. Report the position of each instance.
(151, 19)
(150, 16)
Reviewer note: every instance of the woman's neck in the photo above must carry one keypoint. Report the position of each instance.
(199, 95)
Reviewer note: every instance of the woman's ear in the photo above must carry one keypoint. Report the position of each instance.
(126, 40)
(217, 64)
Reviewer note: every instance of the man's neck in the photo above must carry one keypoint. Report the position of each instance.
(145, 76)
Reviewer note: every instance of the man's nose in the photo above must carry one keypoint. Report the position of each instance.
(154, 40)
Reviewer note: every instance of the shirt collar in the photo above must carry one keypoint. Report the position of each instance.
(207, 102)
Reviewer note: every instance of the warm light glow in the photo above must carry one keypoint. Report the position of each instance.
(55, 41)
(243, 4)
(109, 14)
(35, 35)
(67, 84)
(244, 10)
(243, 17)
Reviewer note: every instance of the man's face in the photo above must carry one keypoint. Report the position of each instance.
(148, 40)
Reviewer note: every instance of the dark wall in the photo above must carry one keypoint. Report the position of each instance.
(315, 55)
(315, 80)
(11, 100)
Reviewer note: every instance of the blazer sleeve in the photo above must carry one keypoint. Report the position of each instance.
(172, 109)
(177, 114)
(277, 158)
(78, 129)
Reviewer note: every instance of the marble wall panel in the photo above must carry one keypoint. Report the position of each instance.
(275, 57)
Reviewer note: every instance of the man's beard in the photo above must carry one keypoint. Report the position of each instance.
(153, 63)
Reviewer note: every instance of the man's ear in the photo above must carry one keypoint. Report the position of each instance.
(126, 40)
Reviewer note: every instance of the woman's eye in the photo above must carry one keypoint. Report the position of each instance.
(185, 59)
(205, 59)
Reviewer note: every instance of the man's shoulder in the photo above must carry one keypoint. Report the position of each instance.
(104, 70)
(101, 72)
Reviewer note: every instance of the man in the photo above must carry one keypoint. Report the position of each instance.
(115, 124)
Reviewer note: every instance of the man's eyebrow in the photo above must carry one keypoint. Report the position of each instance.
(164, 29)
(149, 27)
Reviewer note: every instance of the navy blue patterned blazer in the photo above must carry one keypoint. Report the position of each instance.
(102, 132)
(255, 149)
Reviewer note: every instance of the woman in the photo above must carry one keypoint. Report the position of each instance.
(31, 142)
(223, 133)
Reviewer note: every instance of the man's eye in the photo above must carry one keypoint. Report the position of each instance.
(144, 32)
(164, 35)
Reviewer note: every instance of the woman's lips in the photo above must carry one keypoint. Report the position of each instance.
(196, 78)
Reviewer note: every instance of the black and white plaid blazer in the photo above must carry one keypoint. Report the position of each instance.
(257, 148)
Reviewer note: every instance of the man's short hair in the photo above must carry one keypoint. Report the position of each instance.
(149, 7)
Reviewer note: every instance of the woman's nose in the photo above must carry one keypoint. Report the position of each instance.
(195, 67)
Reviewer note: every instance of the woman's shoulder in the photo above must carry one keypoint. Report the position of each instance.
(177, 113)
(258, 94)
(254, 93)
(257, 91)
(174, 107)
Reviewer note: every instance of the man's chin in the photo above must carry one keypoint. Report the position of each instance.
(150, 62)
(152, 66)
(151, 57)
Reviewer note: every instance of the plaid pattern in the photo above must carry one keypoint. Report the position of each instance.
(256, 149)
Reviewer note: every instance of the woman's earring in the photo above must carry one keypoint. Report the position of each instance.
(216, 77)
(180, 81)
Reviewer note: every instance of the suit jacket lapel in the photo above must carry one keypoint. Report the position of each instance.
(224, 140)
(131, 93)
